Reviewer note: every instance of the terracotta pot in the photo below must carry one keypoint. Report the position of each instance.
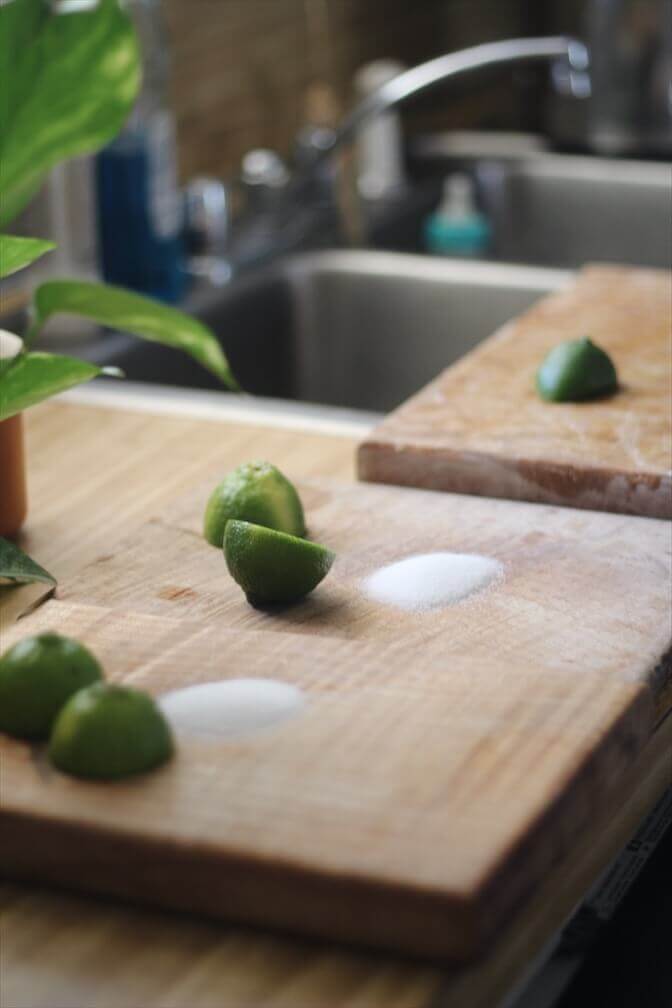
(13, 500)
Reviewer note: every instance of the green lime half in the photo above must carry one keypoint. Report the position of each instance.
(576, 370)
(37, 676)
(255, 492)
(271, 566)
(106, 731)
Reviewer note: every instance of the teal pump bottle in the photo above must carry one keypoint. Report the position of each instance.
(457, 228)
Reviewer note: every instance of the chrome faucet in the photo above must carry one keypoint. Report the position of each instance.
(560, 50)
(436, 71)
(290, 219)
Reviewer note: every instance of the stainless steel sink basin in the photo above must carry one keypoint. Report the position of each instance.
(572, 210)
(547, 209)
(356, 329)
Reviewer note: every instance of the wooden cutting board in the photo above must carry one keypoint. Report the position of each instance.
(480, 428)
(443, 761)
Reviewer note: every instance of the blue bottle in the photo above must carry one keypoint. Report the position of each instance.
(139, 206)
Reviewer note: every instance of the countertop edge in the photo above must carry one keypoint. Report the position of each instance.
(202, 404)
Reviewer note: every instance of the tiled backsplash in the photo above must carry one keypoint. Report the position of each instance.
(242, 68)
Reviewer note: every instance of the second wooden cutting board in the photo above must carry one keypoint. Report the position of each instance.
(480, 427)
(443, 761)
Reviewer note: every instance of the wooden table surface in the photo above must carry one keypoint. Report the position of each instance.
(96, 471)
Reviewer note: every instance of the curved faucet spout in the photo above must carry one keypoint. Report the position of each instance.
(294, 213)
(426, 75)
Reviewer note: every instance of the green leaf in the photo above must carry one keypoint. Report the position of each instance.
(16, 566)
(15, 253)
(133, 313)
(69, 80)
(33, 377)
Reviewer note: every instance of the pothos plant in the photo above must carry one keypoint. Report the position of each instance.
(70, 74)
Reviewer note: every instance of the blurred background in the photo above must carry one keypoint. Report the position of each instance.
(236, 164)
(244, 71)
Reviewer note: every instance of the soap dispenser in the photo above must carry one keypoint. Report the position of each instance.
(457, 227)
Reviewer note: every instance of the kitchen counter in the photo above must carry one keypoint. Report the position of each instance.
(102, 460)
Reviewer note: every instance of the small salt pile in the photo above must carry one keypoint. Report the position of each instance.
(231, 708)
(432, 580)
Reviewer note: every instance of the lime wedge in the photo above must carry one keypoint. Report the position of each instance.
(106, 731)
(576, 370)
(254, 492)
(37, 676)
(272, 566)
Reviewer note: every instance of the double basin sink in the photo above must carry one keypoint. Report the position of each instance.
(365, 329)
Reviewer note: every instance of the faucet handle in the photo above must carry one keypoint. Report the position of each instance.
(207, 229)
(264, 176)
(208, 213)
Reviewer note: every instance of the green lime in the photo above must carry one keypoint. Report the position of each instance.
(254, 492)
(271, 566)
(107, 731)
(37, 676)
(575, 370)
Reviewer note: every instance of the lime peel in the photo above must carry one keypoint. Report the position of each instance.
(38, 675)
(273, 567)
(255, 492)
(107, 731)
(574, 371)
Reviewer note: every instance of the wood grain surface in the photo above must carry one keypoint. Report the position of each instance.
(96, 472)
(480, 427)
(58, 949)
(496, 727)
(583, 593)
(409, 812)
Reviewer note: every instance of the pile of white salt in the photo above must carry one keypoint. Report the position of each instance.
(231, 708)
(432, 580)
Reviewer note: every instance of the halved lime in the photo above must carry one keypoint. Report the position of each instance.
(272, 566)
(107, 731)
(37, 676)
(254, 492)
(576, 370)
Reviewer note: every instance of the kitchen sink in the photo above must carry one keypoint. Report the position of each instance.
(545, 209)
(572, 210)
(357, 329)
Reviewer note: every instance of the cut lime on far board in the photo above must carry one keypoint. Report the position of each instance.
(576, 370)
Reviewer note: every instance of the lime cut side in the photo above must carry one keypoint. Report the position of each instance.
(576, 370)
(273, 567)
(106, 732)
(37, 676)
(255, 492)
